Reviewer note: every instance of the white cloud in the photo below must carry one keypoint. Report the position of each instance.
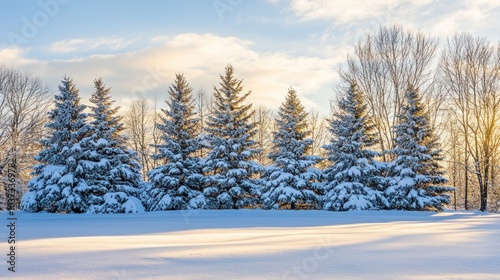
(10, 54)
(201, 57)
(74, 45)
(441, 18)
(159, 39)
(468, 16)
(14, 55)
(347, 22)
(348, 11)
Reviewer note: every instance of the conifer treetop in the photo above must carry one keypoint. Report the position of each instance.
(230, 108)
(290, 139)
(180, 124)
(105, 119)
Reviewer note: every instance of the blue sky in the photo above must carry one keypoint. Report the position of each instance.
(138, 46)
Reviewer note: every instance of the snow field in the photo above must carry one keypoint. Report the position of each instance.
(257, 244)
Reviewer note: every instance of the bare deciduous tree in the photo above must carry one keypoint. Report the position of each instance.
(155, 133)
(140, 125)
(24, 100)
(264, 121)
(470, 70)
(203, 104)
(383, 65)
(319, 132)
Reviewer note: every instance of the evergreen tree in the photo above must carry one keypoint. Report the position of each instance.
(416, 181)
(59, 184)
(291, 180)
(176, 184)
(352, 180)
(112, 171)
(229, 165)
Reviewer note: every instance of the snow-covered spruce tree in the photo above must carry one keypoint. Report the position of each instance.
(112, 171)
(229, 168)
(416, 176)
(177, 182)
(352, 180)
(59, 184)
(291, 180)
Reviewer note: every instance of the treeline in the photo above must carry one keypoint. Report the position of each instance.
(379, 149)
(85, 166)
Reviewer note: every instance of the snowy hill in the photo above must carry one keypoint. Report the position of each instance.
(257, 244)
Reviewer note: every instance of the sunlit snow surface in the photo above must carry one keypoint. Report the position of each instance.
(256, 244)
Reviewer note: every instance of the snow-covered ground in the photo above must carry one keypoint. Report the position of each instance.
(256, 244)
